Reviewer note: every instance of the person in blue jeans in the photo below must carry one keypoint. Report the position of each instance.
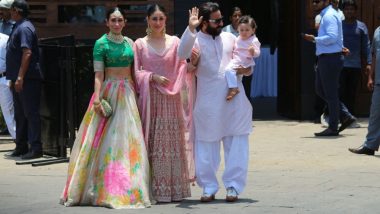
(372, 141)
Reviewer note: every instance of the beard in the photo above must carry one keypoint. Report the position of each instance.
(213, 31)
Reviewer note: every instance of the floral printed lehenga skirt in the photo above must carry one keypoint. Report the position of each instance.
(108, 163)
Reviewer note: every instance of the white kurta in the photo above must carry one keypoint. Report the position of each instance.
(214, 117)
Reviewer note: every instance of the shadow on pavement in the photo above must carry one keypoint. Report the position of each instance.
(187, 204)
(324, 137)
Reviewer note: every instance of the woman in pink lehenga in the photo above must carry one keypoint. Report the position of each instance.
(162, 80)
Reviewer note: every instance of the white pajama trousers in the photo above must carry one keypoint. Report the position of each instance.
(232, 79)
(7, 108)
(236, 158)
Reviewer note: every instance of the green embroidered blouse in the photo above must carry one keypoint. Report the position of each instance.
(110, 54)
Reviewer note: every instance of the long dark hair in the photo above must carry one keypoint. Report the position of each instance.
(153, 8)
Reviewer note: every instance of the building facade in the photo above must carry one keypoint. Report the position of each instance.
(280, 24)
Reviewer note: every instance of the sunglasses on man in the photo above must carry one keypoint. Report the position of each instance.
(216, 21)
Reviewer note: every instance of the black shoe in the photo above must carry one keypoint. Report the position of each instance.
(327, 132)
(17, 153)
(346, 123)
(4, 132)
(31, 155)
(362, 151)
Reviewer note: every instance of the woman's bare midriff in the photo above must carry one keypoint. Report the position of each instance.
(118, 72)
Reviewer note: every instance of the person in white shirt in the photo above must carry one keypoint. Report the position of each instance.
(247, 47)
(6, 97)
(214, 119)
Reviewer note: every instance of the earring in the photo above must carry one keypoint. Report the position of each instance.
(148, 31)
(163, 31)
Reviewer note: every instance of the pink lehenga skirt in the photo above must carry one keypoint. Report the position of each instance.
(109, 164)
(167, 155)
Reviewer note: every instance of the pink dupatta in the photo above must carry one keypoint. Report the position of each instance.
(148, 62)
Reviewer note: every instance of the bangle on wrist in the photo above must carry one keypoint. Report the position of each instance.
(19, 78)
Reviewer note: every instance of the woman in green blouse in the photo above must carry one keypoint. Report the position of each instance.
(108, 164)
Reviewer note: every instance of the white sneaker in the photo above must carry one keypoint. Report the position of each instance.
(324, 120)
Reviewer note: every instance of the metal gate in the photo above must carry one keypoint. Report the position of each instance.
(66, 90)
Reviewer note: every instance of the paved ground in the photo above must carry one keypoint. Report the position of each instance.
(290, 171)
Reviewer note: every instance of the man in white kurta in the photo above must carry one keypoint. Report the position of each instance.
(6, 97)
(215, 119)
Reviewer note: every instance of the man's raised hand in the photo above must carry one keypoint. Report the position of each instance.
(194, 21)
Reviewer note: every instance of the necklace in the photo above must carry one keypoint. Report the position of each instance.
(158, 45)
(157, 39)
(116, 38)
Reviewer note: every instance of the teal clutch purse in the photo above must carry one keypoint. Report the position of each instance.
(106, 107)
